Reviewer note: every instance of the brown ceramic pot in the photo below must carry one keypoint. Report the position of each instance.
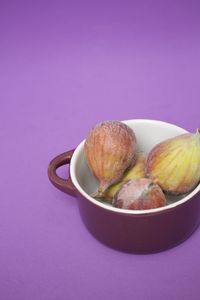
(144, 231)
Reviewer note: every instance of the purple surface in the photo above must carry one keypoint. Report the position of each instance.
(64, 66)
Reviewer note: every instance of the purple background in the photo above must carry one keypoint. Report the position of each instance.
(64, 66)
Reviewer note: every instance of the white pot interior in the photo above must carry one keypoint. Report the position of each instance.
(148, 134)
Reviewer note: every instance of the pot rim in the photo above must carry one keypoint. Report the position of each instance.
(73, 167)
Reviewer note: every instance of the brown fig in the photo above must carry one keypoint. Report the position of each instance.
(109, 150)
(175, 163)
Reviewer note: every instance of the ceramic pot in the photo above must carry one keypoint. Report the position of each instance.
(136, 231)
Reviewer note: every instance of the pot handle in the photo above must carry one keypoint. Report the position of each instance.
(65, 185)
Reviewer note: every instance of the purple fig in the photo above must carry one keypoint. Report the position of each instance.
(140, 193)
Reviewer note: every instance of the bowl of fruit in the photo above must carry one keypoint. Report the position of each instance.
(137, 183)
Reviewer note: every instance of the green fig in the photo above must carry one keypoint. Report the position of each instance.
(175, 163)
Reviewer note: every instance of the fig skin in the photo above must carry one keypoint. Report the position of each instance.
(139, 194)
(109, 150)
(137, 170)
(174, 164)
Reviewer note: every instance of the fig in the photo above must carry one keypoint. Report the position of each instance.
(174, 164)
(139, 194)
(137, 170)
(109, 150)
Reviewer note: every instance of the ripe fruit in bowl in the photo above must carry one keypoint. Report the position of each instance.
(175, 163)
(109, 150)
(139, 194)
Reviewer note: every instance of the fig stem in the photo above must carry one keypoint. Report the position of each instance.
(97, 194)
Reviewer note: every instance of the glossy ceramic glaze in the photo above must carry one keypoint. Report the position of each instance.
(137, 231)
